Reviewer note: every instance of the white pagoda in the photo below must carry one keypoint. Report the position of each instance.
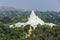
(34, 20)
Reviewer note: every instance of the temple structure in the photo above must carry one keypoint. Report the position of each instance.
(33, 20)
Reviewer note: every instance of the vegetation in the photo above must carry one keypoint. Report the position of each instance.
(13, 16)
(43, 32)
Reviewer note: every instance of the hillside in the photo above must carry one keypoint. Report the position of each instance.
(42, 32)
(12, 15)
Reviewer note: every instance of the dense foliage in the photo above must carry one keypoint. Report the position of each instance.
(13, 16)
(43, 32)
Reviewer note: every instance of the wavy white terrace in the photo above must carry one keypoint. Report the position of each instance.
(33, 20)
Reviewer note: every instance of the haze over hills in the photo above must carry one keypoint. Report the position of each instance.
(5, 8)
(43, 5)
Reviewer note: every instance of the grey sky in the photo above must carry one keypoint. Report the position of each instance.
(33, 4)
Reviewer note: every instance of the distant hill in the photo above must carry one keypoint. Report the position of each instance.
(4, 8)
(10, 11)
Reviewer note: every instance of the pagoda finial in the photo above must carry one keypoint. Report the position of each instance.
(32, 13)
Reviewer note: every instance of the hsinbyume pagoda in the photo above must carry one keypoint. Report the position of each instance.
(33, 20)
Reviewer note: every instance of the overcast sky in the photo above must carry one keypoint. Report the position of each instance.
(33, 4)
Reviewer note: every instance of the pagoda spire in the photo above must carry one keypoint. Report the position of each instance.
(32, 13)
